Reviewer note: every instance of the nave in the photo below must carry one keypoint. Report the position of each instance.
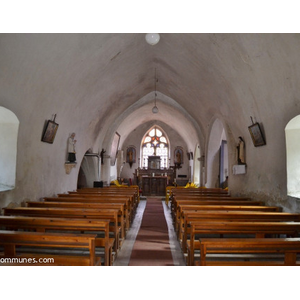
(159, 235)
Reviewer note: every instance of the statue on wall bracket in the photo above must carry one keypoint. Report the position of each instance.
(71, 148)
(102, 156)
(131, 155)
(178, 157)
(240, 151)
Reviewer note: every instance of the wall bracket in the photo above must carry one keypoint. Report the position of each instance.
(69, 167)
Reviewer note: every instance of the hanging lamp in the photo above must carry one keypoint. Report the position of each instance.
(152, 38)
(155, 108)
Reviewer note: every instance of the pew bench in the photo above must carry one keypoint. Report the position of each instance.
(123, 217)
(199, 200)
(182, 209)
(134, 200)
(12, 240)
(129, 210)
(187, 195)
(235, 229)
(181, 190)
(249, 252)
(74, 213)
(99, 227)
(234, 216)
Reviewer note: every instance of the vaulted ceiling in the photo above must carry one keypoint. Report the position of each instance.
(105, 82)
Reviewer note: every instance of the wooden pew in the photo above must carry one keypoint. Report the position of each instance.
(228, 201)
(181, 209)
(209, 201)
(235, 229)
(134, 200)
(181, 198)
(74, 213)
(233, 216)
(91, 198)
(242, 215)
(288, 247)
(47, 241)
(132, 193)
(198, 192)
(67, 226)
(119, 206)
(128, 215)
(168, 194)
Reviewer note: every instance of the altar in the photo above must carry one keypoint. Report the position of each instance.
(154, 180)
(154, 186)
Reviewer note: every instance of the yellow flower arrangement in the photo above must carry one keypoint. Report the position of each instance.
(116, 183)
(191, 185)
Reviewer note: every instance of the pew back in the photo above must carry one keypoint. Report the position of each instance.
(289, 247)
(47, 241)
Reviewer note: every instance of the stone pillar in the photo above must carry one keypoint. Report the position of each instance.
(105, 170)
(120, 162)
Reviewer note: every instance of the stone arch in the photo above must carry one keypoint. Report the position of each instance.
(89, 170)
(217, 155)
(197, 174)
(292, 133)
(9, 128)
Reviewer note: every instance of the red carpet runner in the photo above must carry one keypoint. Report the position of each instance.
(152, 247)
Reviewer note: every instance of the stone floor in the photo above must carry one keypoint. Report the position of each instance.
(125, 252)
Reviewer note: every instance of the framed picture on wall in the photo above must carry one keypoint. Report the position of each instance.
(256, 135)
(114, 148)
(49, 132)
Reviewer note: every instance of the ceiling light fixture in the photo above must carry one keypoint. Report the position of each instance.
(152, 38)
(155, 109)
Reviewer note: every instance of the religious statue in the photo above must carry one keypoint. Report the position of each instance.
(178, 160)
(178, 157)
(71, 148)
(241, 151)
(102, 156)
(130, 156)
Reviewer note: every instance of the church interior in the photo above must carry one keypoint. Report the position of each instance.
(141, 113)
(209, 89)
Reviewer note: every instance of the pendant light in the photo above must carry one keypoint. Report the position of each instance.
(152, 38)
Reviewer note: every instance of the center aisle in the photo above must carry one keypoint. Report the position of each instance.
(152, 247)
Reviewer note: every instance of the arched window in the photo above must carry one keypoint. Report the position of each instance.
(292, 134)
(9, 126)
(155, 143)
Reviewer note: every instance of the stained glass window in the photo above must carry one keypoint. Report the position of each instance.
(155, 143)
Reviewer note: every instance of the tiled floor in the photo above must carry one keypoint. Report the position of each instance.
(125, 252)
